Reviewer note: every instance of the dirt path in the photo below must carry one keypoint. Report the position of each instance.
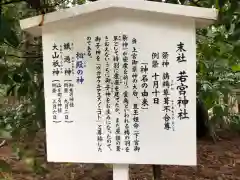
(219, 161)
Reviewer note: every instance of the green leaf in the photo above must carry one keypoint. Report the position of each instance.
(7, 33)
(81, 1)
(15, 132)
(11, 90)
(218, 110)
(12, 38)
(2, 53)
(235, 35)
(17, 78)
(26, 76)
(5, 79)
(236, 68)
(5, 134)
(4, 166)
(22, 90)
(206, 86)
(17, 150)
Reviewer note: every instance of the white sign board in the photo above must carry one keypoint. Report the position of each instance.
(121, 92)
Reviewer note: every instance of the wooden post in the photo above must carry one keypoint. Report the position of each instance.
(120, 172)
(157, 172)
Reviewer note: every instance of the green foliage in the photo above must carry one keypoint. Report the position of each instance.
(7, 33)
(235, 125)
(21, 77)
(218, 65)
(4, 166)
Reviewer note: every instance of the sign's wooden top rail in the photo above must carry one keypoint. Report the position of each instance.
(202, 16)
